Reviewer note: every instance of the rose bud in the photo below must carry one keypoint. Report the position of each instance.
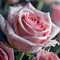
(45, 55)
(6, 53)
(28, 29)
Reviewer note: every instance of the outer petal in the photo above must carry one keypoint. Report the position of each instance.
(9, 51)
(54, 29)
(12, 11)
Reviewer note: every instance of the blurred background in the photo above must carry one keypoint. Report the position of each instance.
(52, 6)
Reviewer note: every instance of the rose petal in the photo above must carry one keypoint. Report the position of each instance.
(12, 11)
(55, 31)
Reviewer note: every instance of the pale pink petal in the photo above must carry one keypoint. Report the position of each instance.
(12, 11)
(55, 31)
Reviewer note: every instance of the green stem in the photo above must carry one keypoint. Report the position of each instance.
(21, 54)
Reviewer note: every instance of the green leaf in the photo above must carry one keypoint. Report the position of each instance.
(56, 49)
(6, 9)
(40, 5)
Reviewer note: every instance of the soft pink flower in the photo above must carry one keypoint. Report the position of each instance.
(6, 53)
(27, 29)
(45, 55)
(55, 16)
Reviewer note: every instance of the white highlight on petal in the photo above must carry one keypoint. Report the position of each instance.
(51, 43)
(55, 31)
(14, 9)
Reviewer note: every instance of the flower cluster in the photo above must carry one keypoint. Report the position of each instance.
(30, 31)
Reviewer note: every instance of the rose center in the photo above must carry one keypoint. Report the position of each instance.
(35, 21)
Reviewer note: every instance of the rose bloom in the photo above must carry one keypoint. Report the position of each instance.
(55, 16)
(45, 55)
(28, 29)
(6, 53)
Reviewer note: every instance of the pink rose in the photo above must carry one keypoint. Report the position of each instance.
(56, 14)
(45, 55)
(6, 53)
(28, 29)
